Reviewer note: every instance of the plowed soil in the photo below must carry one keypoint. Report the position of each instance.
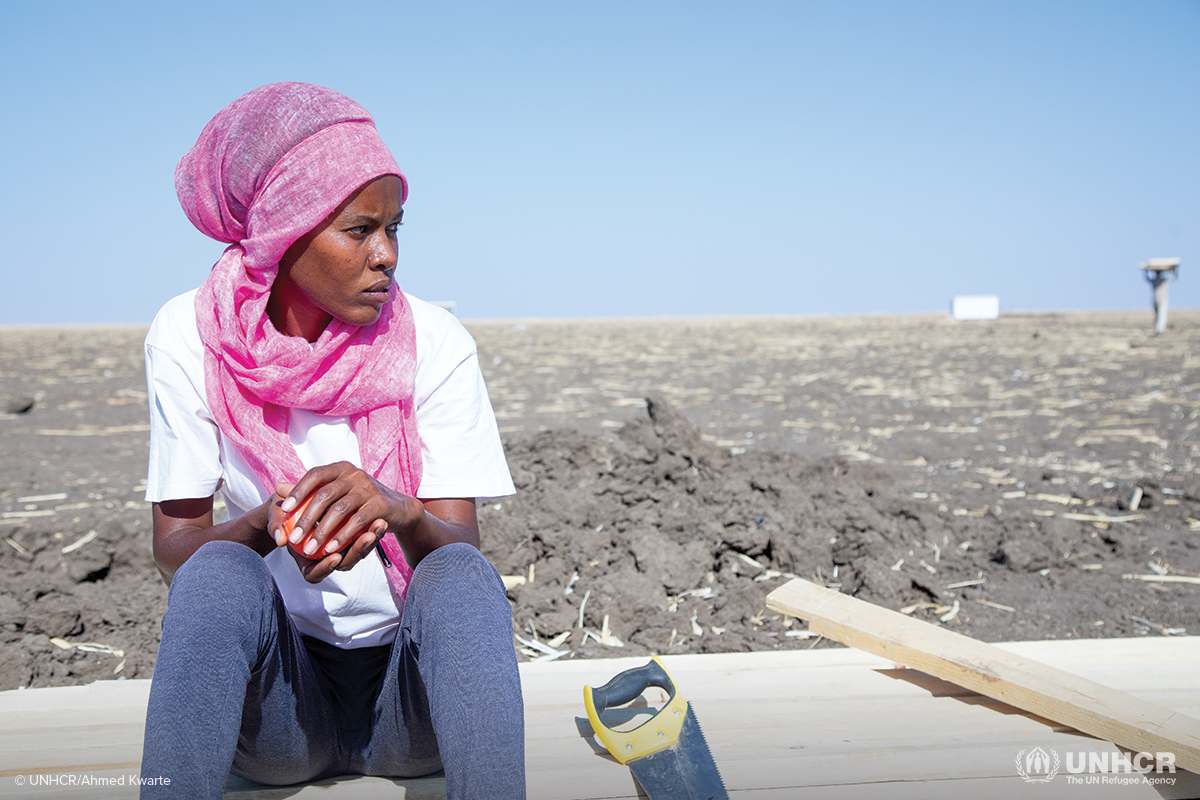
(1011, 479)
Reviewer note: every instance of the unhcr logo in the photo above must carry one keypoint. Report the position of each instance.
(1040, 766)
(1035, 765)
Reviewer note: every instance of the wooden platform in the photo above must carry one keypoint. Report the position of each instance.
(819, 724)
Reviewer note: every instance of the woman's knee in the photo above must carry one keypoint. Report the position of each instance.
(457, 576)
(457, 564)
(224, 599)
(223, 571)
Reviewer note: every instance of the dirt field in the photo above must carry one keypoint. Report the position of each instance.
(980, 475)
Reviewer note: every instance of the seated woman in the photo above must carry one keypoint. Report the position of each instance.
(372, 637)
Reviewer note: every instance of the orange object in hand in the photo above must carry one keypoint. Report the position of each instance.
(289, 524)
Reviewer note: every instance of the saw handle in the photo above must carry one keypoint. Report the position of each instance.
(628, 685)
(658, 733)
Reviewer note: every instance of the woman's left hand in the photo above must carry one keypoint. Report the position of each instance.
(348, 512)
(320, 566)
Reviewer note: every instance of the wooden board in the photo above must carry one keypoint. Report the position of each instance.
(1056, 694)
(800, 724)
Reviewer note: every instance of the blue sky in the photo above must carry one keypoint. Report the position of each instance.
(571, 159)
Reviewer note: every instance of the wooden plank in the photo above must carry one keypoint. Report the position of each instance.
(822, 723)
(1049, 692)
(347, 787)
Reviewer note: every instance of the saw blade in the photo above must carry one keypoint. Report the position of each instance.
(683, 771)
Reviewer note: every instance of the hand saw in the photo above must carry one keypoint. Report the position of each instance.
(667, 753)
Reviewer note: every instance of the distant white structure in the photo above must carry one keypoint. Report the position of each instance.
(449, 305)
(1160, 272)
(976, 306)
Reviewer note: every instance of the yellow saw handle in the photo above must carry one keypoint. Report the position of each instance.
(656, 733)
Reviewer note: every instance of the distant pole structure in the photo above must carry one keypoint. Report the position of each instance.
(1160, 272)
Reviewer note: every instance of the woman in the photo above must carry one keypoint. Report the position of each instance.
(373, 637)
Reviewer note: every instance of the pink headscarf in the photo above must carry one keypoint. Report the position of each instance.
(267, 169)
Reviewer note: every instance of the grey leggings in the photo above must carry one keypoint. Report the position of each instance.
(236, 688)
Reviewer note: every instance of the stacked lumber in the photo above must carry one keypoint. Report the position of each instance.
(809, 724)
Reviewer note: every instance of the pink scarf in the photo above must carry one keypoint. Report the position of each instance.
(267, 169)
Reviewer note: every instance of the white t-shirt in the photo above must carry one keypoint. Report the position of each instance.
(190, 458)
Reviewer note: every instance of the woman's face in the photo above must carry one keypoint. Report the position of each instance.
(343, 267)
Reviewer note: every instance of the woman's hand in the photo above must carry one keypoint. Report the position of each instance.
(321, 564)
(348, 512)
